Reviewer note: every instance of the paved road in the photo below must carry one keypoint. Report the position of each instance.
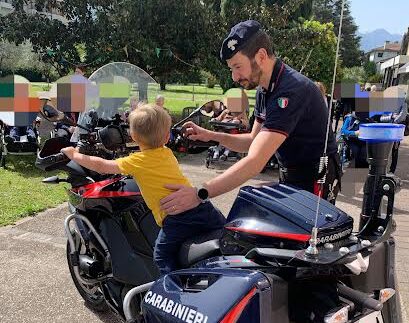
(35, 285)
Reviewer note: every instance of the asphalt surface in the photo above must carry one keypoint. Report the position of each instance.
(35, 284)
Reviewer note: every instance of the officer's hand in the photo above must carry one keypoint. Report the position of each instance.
(194, 132)
(182, 199)
(357, 133)
(69, 151)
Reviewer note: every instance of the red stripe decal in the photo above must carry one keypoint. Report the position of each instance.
(317, 189)
(234, 314)
(289, 236)
(279, 74)
(95, 190)
(104, 194)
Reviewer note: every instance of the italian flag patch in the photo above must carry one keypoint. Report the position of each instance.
(282, 102)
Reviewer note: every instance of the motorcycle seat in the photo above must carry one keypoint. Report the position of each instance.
(199, 248)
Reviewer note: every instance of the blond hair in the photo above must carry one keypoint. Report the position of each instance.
(150, 124)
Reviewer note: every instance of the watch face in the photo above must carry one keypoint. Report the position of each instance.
(203, 194)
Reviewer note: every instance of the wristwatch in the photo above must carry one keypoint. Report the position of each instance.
(202, 194)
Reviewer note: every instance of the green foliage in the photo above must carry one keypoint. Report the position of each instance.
(20, 59)
(209, 79)
(370, 68)
(354, 74)
(172, 40)
(375, 78)
(330, 11)
(310, 37)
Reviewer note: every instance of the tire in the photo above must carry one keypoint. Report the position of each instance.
(93, 297)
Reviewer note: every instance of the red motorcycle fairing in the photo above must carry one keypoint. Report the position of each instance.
(110, 195)
(104, 189)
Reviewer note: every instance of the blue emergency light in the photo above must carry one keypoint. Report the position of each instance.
(381, 132)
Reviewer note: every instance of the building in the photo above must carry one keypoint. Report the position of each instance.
(403, 72)
(395, 71)
(390, 68)
(6, 7)
(381, 54)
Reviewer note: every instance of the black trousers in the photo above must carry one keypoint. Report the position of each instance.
(306, 177)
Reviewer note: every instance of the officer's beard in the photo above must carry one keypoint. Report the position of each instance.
(254, 80)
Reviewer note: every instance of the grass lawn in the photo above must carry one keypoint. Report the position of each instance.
(38, 87)
(178, 97)
(21, 191)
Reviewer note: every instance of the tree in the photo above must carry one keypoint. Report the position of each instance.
(182, 33)
(354, 74)
(174, 38)
(330, 11)
(313, 49)
(8, 53)
(22, 60)
(370, 68)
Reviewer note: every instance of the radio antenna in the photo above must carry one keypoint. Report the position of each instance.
(312, 250)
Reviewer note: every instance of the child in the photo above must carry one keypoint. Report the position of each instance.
(152, 168)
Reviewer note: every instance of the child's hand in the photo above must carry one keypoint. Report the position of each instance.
(69, 151)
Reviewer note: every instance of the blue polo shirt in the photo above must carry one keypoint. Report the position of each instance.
(294, 106)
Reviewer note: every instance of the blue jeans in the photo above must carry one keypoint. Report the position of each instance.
(181, 227)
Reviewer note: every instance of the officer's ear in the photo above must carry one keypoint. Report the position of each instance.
(261, 56)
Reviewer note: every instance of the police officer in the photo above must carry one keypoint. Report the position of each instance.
(291, 121)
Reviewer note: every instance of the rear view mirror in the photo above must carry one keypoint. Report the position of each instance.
(212, 108)
(50, 113)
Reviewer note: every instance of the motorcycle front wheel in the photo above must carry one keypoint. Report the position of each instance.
(92, 295)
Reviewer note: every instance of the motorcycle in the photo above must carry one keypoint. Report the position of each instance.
(258, 269)
(216, 153)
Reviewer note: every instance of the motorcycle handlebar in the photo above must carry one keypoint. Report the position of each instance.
(226, 124)
(51, 162)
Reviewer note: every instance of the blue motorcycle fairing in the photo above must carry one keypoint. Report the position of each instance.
(280, 216)
(212, 297)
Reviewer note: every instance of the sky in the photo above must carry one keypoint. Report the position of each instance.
(391, 15)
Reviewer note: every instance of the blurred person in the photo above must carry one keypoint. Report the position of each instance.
(160, 102)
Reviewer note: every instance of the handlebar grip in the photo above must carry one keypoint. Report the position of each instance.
(204, 143)
(225, 124)
(60, 157)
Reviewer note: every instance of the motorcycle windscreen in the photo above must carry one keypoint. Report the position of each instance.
(120, 88)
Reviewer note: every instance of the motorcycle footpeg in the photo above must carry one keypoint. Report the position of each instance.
(360, 298)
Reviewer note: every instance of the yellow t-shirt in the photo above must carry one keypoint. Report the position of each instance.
(152, 169)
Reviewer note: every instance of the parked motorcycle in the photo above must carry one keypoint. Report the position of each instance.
(258, 269)
(219, 152)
